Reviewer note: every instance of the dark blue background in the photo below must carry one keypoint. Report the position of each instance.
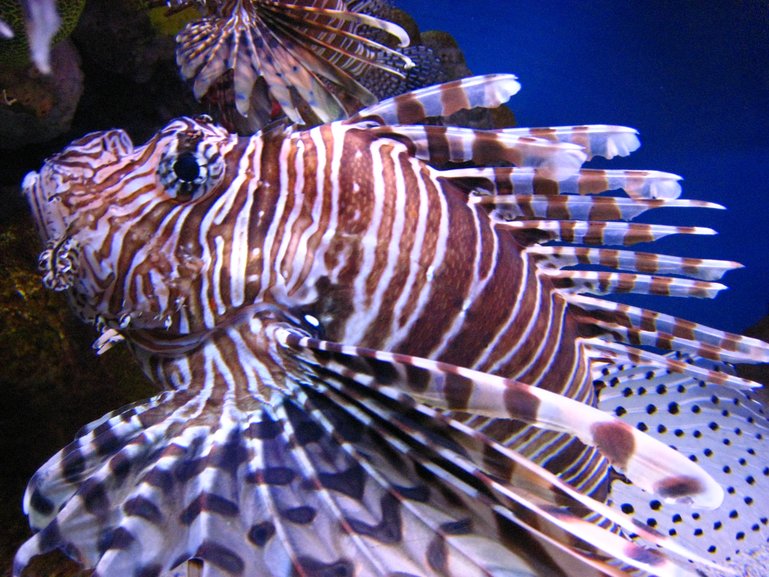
(691, 76)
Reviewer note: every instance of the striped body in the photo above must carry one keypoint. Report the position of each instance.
(367, 257)
(357, 335)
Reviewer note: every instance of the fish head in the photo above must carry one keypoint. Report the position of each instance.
(109, 214)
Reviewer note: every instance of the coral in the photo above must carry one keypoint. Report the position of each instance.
(166, 24)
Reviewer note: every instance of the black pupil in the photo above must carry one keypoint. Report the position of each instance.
(186, 167)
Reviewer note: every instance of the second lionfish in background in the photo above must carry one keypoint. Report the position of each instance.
(314, 60)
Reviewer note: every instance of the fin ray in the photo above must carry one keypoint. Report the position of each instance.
(570, 207)
(638, 184)
(732, 347)
(442, 100)
(457, 388)
(596, 140)
(596, 232)
(559, 257)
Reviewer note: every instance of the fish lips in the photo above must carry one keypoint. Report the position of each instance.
(46, 208)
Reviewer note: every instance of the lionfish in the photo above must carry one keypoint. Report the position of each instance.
(382, 354)
(306, 59)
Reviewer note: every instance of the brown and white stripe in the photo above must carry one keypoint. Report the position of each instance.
(376, 366)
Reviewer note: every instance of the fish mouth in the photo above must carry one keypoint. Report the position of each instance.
(48, 221)
(158, 340)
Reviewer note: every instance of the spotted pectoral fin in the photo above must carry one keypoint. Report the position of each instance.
(523, 492)
(723, 429)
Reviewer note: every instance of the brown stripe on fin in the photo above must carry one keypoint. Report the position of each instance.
(519, 505)
(644, 460)
(443, 99)
(638, 184)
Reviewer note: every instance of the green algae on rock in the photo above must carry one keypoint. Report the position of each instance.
(15, 51)
(47, 364)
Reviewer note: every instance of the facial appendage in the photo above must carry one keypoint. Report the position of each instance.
(107, 213)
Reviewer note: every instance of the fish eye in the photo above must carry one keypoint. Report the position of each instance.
(190, 168)
(186, 167)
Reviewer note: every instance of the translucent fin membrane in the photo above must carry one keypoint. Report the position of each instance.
(460, 389)
(596, 139)
(723, 429)
(647, 262)
(638, 184)
(443, 99)
(543, 490)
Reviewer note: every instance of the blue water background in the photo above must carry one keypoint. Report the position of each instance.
(691, 76)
